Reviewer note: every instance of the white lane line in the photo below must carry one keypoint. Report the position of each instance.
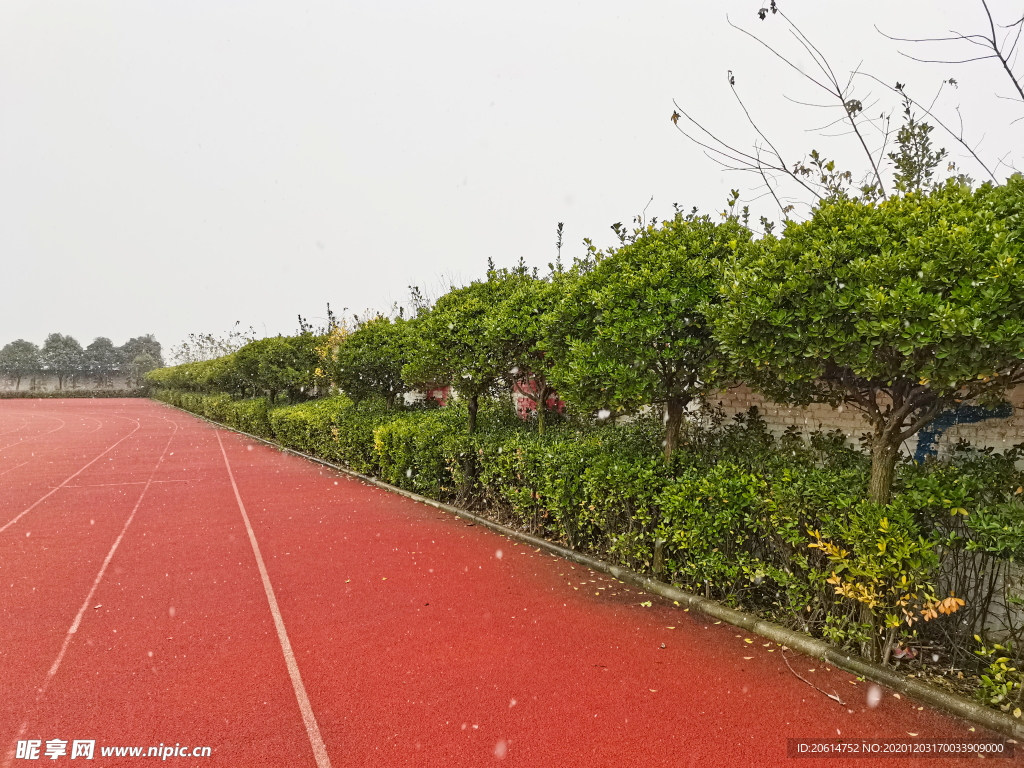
(54, 490)
(92, 591)
(24, 423)
(312, 729)
(33, 437)
(13, 468)
(131, 482)
(103, 568)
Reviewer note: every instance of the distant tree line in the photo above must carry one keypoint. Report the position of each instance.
(63, 358)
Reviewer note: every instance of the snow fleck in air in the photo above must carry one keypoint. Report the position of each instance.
(604, 413)
(501, 749)
(874, 696)
(511, 703)
(248, 447)
(171, 611)
(408, 472)
(498, 554)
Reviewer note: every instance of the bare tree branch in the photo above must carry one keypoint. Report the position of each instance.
(990, 41)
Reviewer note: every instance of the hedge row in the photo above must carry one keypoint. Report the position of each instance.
(752, 520)
(25, 394)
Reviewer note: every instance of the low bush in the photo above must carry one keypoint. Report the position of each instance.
(27, 394)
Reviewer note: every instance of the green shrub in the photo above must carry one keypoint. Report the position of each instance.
(308, 427)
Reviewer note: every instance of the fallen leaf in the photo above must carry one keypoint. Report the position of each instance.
(647, 604)
(896, 695)
(98, 606)
(384, 579)
(652, 690)
(912, 734)
(1016, 712)
(748, 658)
(669, 627)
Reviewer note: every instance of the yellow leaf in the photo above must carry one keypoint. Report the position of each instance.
(748, 640)
(748, 658)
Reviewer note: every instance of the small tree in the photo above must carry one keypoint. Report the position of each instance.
(515, 329)
(100, 361)
(900, 310)
(279, 364)
(142, 344)
(630, 329)
(450, 345)
(62, 357)
(370, 360)
(19, 359)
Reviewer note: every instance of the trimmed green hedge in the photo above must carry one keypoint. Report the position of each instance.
(27, 394)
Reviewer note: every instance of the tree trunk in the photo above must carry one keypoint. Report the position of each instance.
(542, 400)
(883, 468)
(17, 383)
(474, 404)
(869, 649)
(674, 408)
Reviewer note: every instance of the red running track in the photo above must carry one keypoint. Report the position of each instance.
(369, 630)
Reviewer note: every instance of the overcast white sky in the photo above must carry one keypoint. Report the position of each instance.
(171, 168)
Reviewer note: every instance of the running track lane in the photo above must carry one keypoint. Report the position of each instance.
(414, 641)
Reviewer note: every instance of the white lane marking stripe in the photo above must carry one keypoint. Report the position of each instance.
(13, 468)
(312, 729)
(24, 423)
(110, 556)
(92, 591)
(12, 522)
(41, 434)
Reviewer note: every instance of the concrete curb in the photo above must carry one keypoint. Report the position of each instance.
(936, 698)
